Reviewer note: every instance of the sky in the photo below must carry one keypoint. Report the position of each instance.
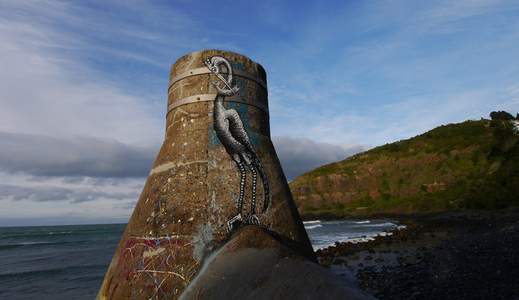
(83, 85)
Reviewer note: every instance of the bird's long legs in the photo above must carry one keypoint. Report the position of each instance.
(239, 204)
(243, 176)
(254, 183)
(266, 189)
(253, 218)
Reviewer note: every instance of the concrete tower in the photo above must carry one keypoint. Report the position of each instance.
(216, 174)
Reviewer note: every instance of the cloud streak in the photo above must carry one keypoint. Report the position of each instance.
(45, 156)
(50, 90)
(80, 156)
(29, 200)
(51, 194)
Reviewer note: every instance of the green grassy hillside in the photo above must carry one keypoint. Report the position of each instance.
(474, 164)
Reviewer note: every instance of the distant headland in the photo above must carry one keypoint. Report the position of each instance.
(469, 165)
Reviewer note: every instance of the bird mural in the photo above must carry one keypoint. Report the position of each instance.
(233, 136)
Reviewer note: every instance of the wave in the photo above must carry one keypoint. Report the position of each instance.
(59, 232)
(68, 230)
(12, 246)
(362, 222)
(349, 231)
(312, 222)
(37, 234)
(385, 224)
(36, 244)
(313, 226)
(52, 271)
(332, 240)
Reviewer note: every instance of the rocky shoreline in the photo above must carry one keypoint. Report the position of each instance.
(456, 255)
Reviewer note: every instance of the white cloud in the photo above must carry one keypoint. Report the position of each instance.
(77, 156)
(61, 117)
(52, 199)
(42, 93)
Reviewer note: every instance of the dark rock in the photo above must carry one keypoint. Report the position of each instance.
(255, 265)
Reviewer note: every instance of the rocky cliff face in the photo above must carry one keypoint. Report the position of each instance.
(473, 164)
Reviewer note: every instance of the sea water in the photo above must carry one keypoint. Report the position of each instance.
(324, 234)
(69, 262)
(55, 262)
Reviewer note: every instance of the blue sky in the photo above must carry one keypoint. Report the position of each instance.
(83, 85)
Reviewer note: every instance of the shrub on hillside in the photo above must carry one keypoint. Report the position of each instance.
(501, 115)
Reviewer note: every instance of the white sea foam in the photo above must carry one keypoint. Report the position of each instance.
(32, 243)
(58, 232)
(386, 224)
(313, 226)
(312, 222)
(349, 239)
(362, 222)
(324, 234)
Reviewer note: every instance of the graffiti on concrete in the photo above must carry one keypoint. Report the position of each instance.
(233, 136)
(152, 260)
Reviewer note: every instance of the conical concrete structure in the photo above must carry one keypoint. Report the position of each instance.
(216, 163)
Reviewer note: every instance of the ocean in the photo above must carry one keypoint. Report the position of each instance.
(324, 234)
(69, 262)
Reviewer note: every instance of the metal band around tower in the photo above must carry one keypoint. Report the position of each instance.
(211, 97)
(204, 70)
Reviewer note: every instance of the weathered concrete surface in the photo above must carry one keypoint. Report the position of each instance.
(255, 264)
(190, 194)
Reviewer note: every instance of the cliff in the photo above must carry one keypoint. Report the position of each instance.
(470, 165)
